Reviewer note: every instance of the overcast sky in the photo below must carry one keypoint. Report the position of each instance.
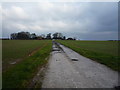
(83, 20)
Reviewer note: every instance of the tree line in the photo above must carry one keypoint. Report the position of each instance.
(33, 36)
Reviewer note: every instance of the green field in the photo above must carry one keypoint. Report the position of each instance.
(105, 52)
(31, 54)
(15, 50)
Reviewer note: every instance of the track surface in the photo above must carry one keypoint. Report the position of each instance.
(68, 69)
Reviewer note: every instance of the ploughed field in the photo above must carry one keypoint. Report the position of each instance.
(21, 60)
(104, 52)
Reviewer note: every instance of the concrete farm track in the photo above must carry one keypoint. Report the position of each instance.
(68, 69)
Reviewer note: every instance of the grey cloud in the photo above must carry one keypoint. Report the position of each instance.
(80, 20)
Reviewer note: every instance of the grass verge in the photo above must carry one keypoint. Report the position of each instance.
(88, 50)
(20, 75)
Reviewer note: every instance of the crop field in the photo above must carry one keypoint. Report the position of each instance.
(15, 50)
(104, 52)
(21, 59)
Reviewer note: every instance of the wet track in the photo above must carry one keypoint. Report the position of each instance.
(68, 69)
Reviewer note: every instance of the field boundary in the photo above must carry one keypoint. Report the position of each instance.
(17, 61)
(106, 59)
(21, 74)
(36, 81)
(37, 49)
